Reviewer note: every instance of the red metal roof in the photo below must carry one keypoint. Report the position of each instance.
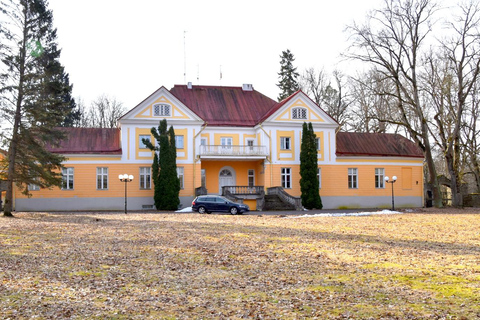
(225, 106)
(89, 141)
(376, 144)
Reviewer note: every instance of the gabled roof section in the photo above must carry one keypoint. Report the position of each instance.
(282, 111)
(152, 108)
(376, 144)
(224, 106)
(89, 141)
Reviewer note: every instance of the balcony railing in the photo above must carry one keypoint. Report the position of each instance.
(216, 150)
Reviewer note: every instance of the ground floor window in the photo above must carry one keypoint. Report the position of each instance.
(102, 178)
(180, 176)
(319, 176)
(67, 178)
(379, 178)
(352, 178)
(145, 178)
(204, 178)
(33, 187)
(287, 178)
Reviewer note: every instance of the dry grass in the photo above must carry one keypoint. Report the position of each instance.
(179, 266)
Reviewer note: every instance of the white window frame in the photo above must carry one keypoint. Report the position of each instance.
(162, 110)
(181, 175)
(353, 178)
(102, 178)
(145, 175)
(203, 178)
(286, 174)
(318, 144)
(141, 145)
(179, 142)
(251, 177)
(68, 178)
(33, 186)
(285, 143)
(299, 113)
(226, 141)
(380, 178)
(319, 176)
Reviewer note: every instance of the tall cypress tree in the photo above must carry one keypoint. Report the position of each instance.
(164, 167)
(309, 184)
(288, 75)
(35, 95)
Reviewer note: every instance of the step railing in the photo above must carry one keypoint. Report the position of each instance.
(283, 195)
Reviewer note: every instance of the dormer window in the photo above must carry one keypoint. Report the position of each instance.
(299, 113)
(162, 109)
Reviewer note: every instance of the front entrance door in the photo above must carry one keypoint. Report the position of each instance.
(225, 178)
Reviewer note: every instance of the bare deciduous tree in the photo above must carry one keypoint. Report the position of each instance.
(391, 40)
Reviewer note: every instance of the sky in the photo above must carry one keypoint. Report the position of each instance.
(128, 49)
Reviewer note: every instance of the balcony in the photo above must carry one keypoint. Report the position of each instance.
(232, 152)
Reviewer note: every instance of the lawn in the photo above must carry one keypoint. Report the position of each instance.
(183, 266)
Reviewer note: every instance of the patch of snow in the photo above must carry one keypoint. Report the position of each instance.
(352, 214)
(187, 209)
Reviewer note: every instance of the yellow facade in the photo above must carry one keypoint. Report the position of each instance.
(239, 165)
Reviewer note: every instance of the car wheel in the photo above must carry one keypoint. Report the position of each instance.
(201, 210)
(233, 210)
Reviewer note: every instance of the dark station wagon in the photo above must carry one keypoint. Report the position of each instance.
(208, 204)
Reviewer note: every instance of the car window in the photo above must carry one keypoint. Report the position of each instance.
(222, 200)
(209, 199)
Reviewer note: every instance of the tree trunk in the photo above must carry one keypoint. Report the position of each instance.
(433, 178)
(12, 150)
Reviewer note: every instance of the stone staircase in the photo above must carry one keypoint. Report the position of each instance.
(274, 203)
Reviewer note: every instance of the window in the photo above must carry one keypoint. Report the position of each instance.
(203, 142)
(102, 178)
(67, 178)
(299, 113)
(204, 178)
(180, 176)
(285, 143)
(251, 177)
(161, 109)
(318, 144)
(145, 178)
(250, 145)
(179, 142)
(352, 178)
(33, 187)
(286, 178)
(379, 178)
(226, 141)
(142, 145)
(319, 176)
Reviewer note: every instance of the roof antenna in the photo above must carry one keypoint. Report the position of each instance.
(221, 72)
(198, 73)
(184, 58)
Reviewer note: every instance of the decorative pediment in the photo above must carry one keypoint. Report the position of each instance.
(300, 108)
(161, 105)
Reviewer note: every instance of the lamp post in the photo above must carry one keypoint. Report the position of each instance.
(125, 178)
(394, 179)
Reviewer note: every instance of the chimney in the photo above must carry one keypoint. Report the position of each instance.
(189, 85)
(247, 87)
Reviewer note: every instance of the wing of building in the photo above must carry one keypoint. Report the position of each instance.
(231, 139)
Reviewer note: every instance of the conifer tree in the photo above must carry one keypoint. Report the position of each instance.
(288, 75)
(309, 184)
(35, 95)
(164, 167)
